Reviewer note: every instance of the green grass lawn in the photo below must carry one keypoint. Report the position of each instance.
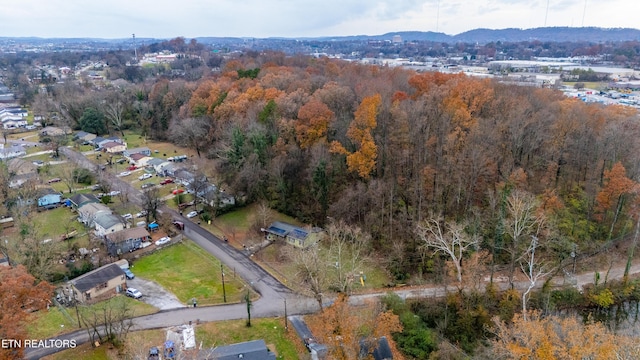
(190, 272)
(47, 323)
(82, 352)
(272, 331)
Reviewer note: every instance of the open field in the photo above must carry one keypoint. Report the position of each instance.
(190, 272)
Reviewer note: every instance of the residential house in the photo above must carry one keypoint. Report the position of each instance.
(113, 147)
(97, 141)
(16, 182)
(47, 197)
(52, 131)
(126, 240)
(99, 284)
(139, 150)
(155, 162)
(215, 197)
(248, 350)
(11, 152)
(183, 176)
(88, 212)
(17, 166)
(294, 235)
(78, 200)
(140, 160)
(12, 122)
(166, 168)
(106, 223)
(83, 136)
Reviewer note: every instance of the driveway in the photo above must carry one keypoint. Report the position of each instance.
(154, 294)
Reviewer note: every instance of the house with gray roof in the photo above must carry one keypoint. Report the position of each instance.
(106, 223)
(139, 150)
(11, 152)
(77, 200)
(88, 212)
(99, 284)
(126, 240)
(248, 350)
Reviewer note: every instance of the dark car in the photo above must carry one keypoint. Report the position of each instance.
(179, 225)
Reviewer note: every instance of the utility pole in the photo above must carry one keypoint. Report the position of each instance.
(286, 324)
(224, 292)
(247, 299)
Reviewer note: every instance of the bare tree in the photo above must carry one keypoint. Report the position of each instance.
(36, 252)
(346, 255)
(192, 133)
(533, 269)
(108, 321)
(151, 202)
(114, 113)
(522, 221)
(311, 268)
(448, 238)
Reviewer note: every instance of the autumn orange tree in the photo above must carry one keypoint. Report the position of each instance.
(20, 295)
(363, 160)
(616, 190)
(552, 337)
(343, 328)
(314, 118)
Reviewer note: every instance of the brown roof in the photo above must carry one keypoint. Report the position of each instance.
(126, 234)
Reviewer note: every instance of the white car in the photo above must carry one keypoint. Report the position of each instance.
(127, 216)
(134, 293)
(125, 173)
(163, 240)
(114, 193)
(145, 177)
(192, 214)
(141, 214)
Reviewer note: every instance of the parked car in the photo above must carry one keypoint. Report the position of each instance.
(185, 205)
(132, 167)
(124, 173)
(192, 214)
(163, 240)
(154, 353)
(114, 193)
(38, 162)
(141, 214)
(145, 176)
(134, 293)
(96, 186)
(147, 185)
(177, 191)
(179, 225)
(166, 181)
(127, 216)
(128, 274)
(54, 180)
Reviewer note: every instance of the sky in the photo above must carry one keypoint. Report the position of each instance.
(115, 19)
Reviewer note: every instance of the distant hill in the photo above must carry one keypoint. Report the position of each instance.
(483, 36)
